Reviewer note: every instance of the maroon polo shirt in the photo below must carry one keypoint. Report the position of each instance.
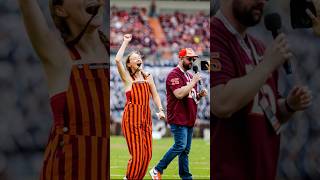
(180, 111)
(244, 146)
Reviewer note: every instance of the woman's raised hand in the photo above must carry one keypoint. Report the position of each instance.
(127, 37)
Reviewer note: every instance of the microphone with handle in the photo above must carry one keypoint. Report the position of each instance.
(273, 23)
(195, 70)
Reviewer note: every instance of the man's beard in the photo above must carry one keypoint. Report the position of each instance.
(244, 15)
(186, 66)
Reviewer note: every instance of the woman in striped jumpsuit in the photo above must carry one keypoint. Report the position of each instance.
(78, 84)
(136, 121)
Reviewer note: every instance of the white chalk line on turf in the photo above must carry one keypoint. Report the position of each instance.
(194, 176)
(196, 162)
(195, 168)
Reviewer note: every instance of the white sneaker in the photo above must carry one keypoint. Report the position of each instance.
(125, 178)
(155, 174)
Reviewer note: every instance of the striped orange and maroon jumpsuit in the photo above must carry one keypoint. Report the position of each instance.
(137, 129)
(78, 147)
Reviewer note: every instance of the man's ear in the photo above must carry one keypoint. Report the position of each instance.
(60, 11)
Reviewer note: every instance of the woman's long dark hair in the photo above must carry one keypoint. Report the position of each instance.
(59, 22)
(105, 41)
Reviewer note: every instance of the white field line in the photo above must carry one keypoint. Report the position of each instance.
(194, 176)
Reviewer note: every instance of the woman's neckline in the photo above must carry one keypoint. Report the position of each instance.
(139, 81)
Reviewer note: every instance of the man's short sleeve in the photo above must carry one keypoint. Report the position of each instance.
(222, 65)
(174, 81)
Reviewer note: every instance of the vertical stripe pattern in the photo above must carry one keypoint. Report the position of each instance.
(78, 149)
(137, 130)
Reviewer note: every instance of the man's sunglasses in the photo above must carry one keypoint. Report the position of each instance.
(191, 58)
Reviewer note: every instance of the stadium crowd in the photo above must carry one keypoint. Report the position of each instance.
(181, 30)
(135, 22)
(187, 30)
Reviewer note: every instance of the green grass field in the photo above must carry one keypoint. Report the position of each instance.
(199, 158)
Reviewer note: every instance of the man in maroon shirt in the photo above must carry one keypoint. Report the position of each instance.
(182, 100)
(247, 110)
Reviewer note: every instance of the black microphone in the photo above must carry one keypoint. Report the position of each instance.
(195, 69)
(273, 24)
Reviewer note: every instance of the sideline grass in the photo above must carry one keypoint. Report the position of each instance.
(199, 158)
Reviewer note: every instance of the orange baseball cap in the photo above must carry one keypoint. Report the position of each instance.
(187, 52)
